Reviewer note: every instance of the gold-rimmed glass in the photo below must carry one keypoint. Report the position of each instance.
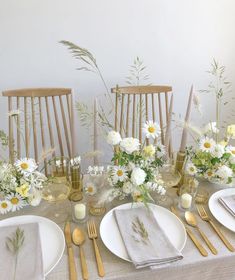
(57, 188)
(171, 178)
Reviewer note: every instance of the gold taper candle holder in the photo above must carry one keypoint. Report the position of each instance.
(179, 166)
(76, 181)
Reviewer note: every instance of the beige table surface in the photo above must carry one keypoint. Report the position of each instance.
(192, 267)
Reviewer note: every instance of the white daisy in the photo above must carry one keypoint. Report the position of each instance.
(26, 165)
(90, 188)
(218, 151)
(119, 173)
(230, 150)
(206, 144)
(191, 169)
(16, 201)
(5, 206)
(209, 174)
(151, 129)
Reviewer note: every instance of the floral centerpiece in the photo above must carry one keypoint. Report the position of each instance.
(20, 185)
(135, 170)
(213, 160)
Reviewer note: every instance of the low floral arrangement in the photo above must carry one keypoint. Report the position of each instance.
(20, 185)
(213, 160)
(136, 174)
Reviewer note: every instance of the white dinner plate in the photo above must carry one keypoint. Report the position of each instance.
(219, 212)
(52, 238)
(172, 226)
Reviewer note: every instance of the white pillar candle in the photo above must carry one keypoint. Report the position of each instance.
(186, 200)
(80, 211)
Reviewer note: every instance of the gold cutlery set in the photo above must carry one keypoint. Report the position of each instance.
(78, 238)
(190, 220)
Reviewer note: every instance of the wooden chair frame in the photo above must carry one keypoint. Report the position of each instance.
(40, 98)
(145, 97)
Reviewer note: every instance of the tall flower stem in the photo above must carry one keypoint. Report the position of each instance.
(217, 117)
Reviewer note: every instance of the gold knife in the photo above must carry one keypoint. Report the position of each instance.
(68, 239)
(197, 243)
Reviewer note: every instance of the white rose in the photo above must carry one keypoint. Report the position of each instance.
(218, 151)
(35, 198)
(127, 187)
(130, 145)
(114, 138)
(224, 172)
(138, 176)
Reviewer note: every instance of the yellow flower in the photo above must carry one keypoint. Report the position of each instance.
(137, 196)
(149, 151)
(23, 190)
(223, 143)
(231, 131)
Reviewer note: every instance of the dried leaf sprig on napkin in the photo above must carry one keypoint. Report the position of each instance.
(139, 230)
(14, 245)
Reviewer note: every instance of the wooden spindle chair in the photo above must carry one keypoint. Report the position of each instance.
(47, 115)
(136, 104)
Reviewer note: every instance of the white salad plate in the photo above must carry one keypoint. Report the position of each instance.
(218, 210)
(52, 238)
(172, 226)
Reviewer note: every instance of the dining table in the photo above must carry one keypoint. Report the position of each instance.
(193, 266)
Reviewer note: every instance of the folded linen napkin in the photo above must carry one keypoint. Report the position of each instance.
(29, 261)
(145, 241)
(229, 203)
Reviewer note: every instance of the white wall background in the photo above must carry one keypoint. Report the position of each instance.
(177, 40)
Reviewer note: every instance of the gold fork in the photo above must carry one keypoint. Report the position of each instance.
(92, 234)
(204, 216)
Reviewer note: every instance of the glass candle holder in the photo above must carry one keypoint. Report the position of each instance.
(188, 192)
(79, 211)
(94, 188)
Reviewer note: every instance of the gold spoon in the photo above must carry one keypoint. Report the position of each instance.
(78, 239)
(192, 221)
